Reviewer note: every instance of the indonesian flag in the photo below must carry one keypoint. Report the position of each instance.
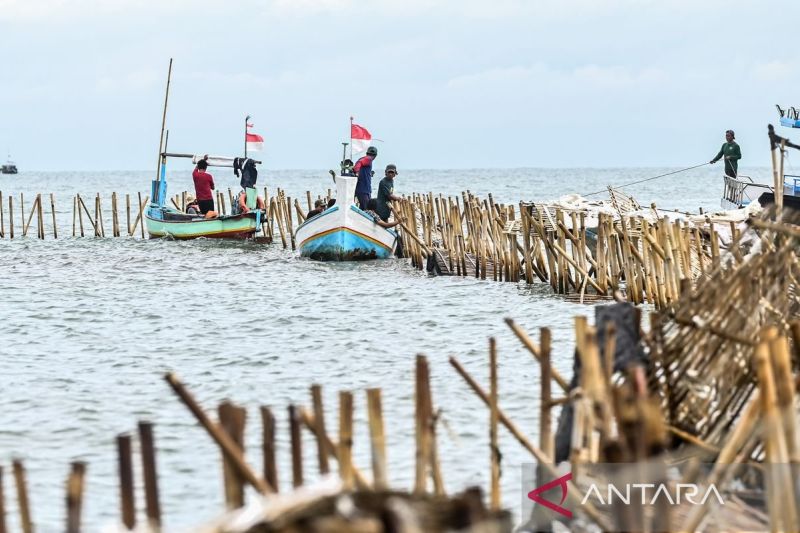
(360, 139)
(255, 142)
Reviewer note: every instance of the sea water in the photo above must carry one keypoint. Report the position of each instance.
(89, 326)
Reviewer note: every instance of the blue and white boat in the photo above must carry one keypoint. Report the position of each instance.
(790, 117)
(344, 232)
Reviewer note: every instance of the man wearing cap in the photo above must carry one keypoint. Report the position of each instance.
(363, 169)
(386, 193)
(731, 152)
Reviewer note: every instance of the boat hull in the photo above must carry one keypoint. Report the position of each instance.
(230, 227)
(344, 234)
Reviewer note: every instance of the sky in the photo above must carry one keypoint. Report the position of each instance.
(443, 83)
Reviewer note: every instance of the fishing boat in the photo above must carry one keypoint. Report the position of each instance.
(164, 220)
(9, 167)
(790, 117)
(344, 232)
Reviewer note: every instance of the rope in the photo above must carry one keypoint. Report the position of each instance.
(647, 179)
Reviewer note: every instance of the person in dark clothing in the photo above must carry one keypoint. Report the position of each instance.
(319, 207)
(731, 153)
(203, 185)
(386, 192)
(363, 169)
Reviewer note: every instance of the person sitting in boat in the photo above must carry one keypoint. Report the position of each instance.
(731, 152)
(192, 207)
(371, 206)
(319, 207)
(363, 169)
(386, 192)
(203, 185)
(240, 205)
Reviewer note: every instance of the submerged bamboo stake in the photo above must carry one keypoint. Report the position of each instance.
(319, 419)
(232, 421)
(331, 448)
(2, 227)
(231, 450)
(268, 447)
(377, 439)
(11, 216)
(422, 415)
(22, 496)
(52, 211)
(150, 475)
(494, 450)
(75, 496)
(296, 446)
(126, 493)
(346, 439)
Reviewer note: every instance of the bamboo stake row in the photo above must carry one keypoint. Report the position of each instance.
(467, 236)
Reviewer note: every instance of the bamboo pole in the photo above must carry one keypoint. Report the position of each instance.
(150, 475)
(296, 447)
(22, 496)
(346, 439)
(22, 213)
(39, 216)
(11, 216)
(126, 493)
(128, 213)
(75, 496)
(232, 421)
(377, 439)
(268, 447)
(332, 448)
(545, 433)
(493, 446)
(523, 336)
(422, 413)
(231, 450)
(114, 216)
(3, 528)
(30, 217)
(52, 212)
(319, 419)
(2, 225)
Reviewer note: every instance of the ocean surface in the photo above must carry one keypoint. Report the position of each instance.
(89, 326)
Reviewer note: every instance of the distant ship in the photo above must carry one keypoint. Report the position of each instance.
(9, 167)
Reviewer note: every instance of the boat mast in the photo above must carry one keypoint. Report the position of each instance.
(161, 157)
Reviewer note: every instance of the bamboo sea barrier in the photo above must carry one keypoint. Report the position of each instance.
(637, 255)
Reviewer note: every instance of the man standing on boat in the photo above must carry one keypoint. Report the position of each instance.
(731, 153)
(386, 193)
(203, 185)
(363, 169)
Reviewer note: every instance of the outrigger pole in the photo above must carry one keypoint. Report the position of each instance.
(161, 157)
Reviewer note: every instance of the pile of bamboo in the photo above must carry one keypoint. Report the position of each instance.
(706, 343)
(647, 261)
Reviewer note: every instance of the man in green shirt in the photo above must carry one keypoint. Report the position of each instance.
(386, 193)
(731, 152)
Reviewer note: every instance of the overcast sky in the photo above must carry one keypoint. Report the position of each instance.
(445, 84)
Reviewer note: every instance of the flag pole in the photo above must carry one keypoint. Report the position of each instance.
(245, 134)
(351, 138)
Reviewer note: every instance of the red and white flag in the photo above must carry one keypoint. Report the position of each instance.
(254, 142)
(360, 139)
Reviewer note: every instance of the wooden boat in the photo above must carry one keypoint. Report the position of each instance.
(344, 232)
(163, 220)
